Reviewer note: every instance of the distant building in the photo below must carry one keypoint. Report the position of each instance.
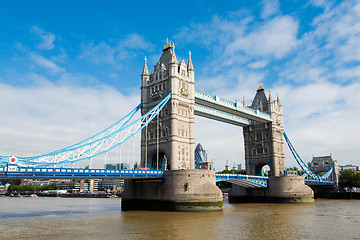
(76, 185)
(240, 166)
(206, 165)
(324, 164)
(3, 188)
(118, 166)
(111, 184)
(39, 182)
(348, 166)
(201, 158)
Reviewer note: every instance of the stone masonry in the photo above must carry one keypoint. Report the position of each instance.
(264, 142)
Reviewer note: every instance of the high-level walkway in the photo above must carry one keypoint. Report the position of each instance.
(214, 107)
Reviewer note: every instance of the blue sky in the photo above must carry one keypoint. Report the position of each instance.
(69, 69)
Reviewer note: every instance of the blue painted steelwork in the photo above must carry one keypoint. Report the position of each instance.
(98, 144)
(202, 98)
(326, 175)
(258, 180)
(319, 182)
(298, 159)
(219, 115)
(14, 171)
(263, 181)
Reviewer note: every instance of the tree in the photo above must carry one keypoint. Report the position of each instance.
(31, 188)
(349, 178)
(13, 188)
(233, 171)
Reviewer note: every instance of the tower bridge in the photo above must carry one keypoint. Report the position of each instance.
(169, 103)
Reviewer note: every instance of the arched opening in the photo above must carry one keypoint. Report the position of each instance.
(262, 170)
(155, 164)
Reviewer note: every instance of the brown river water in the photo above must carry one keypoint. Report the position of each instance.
(76, 218)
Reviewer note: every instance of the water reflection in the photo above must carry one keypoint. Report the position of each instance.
(174, 225)
(57, 218)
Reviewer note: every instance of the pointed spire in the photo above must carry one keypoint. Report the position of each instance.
(167, 45)
(173, 56)
(145, 69)
(278, 101)
(270, 96)
(260, 88)
(190, 65)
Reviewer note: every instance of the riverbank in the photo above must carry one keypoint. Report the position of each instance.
(65, 195)
(344, 195)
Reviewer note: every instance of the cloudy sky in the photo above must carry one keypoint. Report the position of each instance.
(70, 69)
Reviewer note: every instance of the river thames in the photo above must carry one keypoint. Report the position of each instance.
(91, 218)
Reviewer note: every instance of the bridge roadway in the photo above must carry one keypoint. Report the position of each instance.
(14, 171)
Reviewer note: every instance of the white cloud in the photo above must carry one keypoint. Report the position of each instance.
(320, 119)
(48, 117)
(136, 42)
(258, 64)
(101, 53)
(339, 28)
(45, 63)
(326, 4)
(47, 38)
(270, 7)
(240, 40)
(331, 50)
(105, 53)
(275, 38)
(217, 33)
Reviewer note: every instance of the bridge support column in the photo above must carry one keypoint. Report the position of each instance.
(281, 189)
(290, 189)
(179, 190)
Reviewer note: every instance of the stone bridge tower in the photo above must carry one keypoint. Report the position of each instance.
(264, 142)
(264, 145)
(168, 142)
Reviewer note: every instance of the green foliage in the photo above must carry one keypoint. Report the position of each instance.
(349, 178)
(31, 188)
(292, 169)
(233, 171)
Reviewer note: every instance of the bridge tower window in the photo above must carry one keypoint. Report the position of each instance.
(258, 136)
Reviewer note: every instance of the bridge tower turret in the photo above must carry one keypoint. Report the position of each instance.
(169, 140)
(264, 142)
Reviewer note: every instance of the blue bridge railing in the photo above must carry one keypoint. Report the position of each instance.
(13, 171)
